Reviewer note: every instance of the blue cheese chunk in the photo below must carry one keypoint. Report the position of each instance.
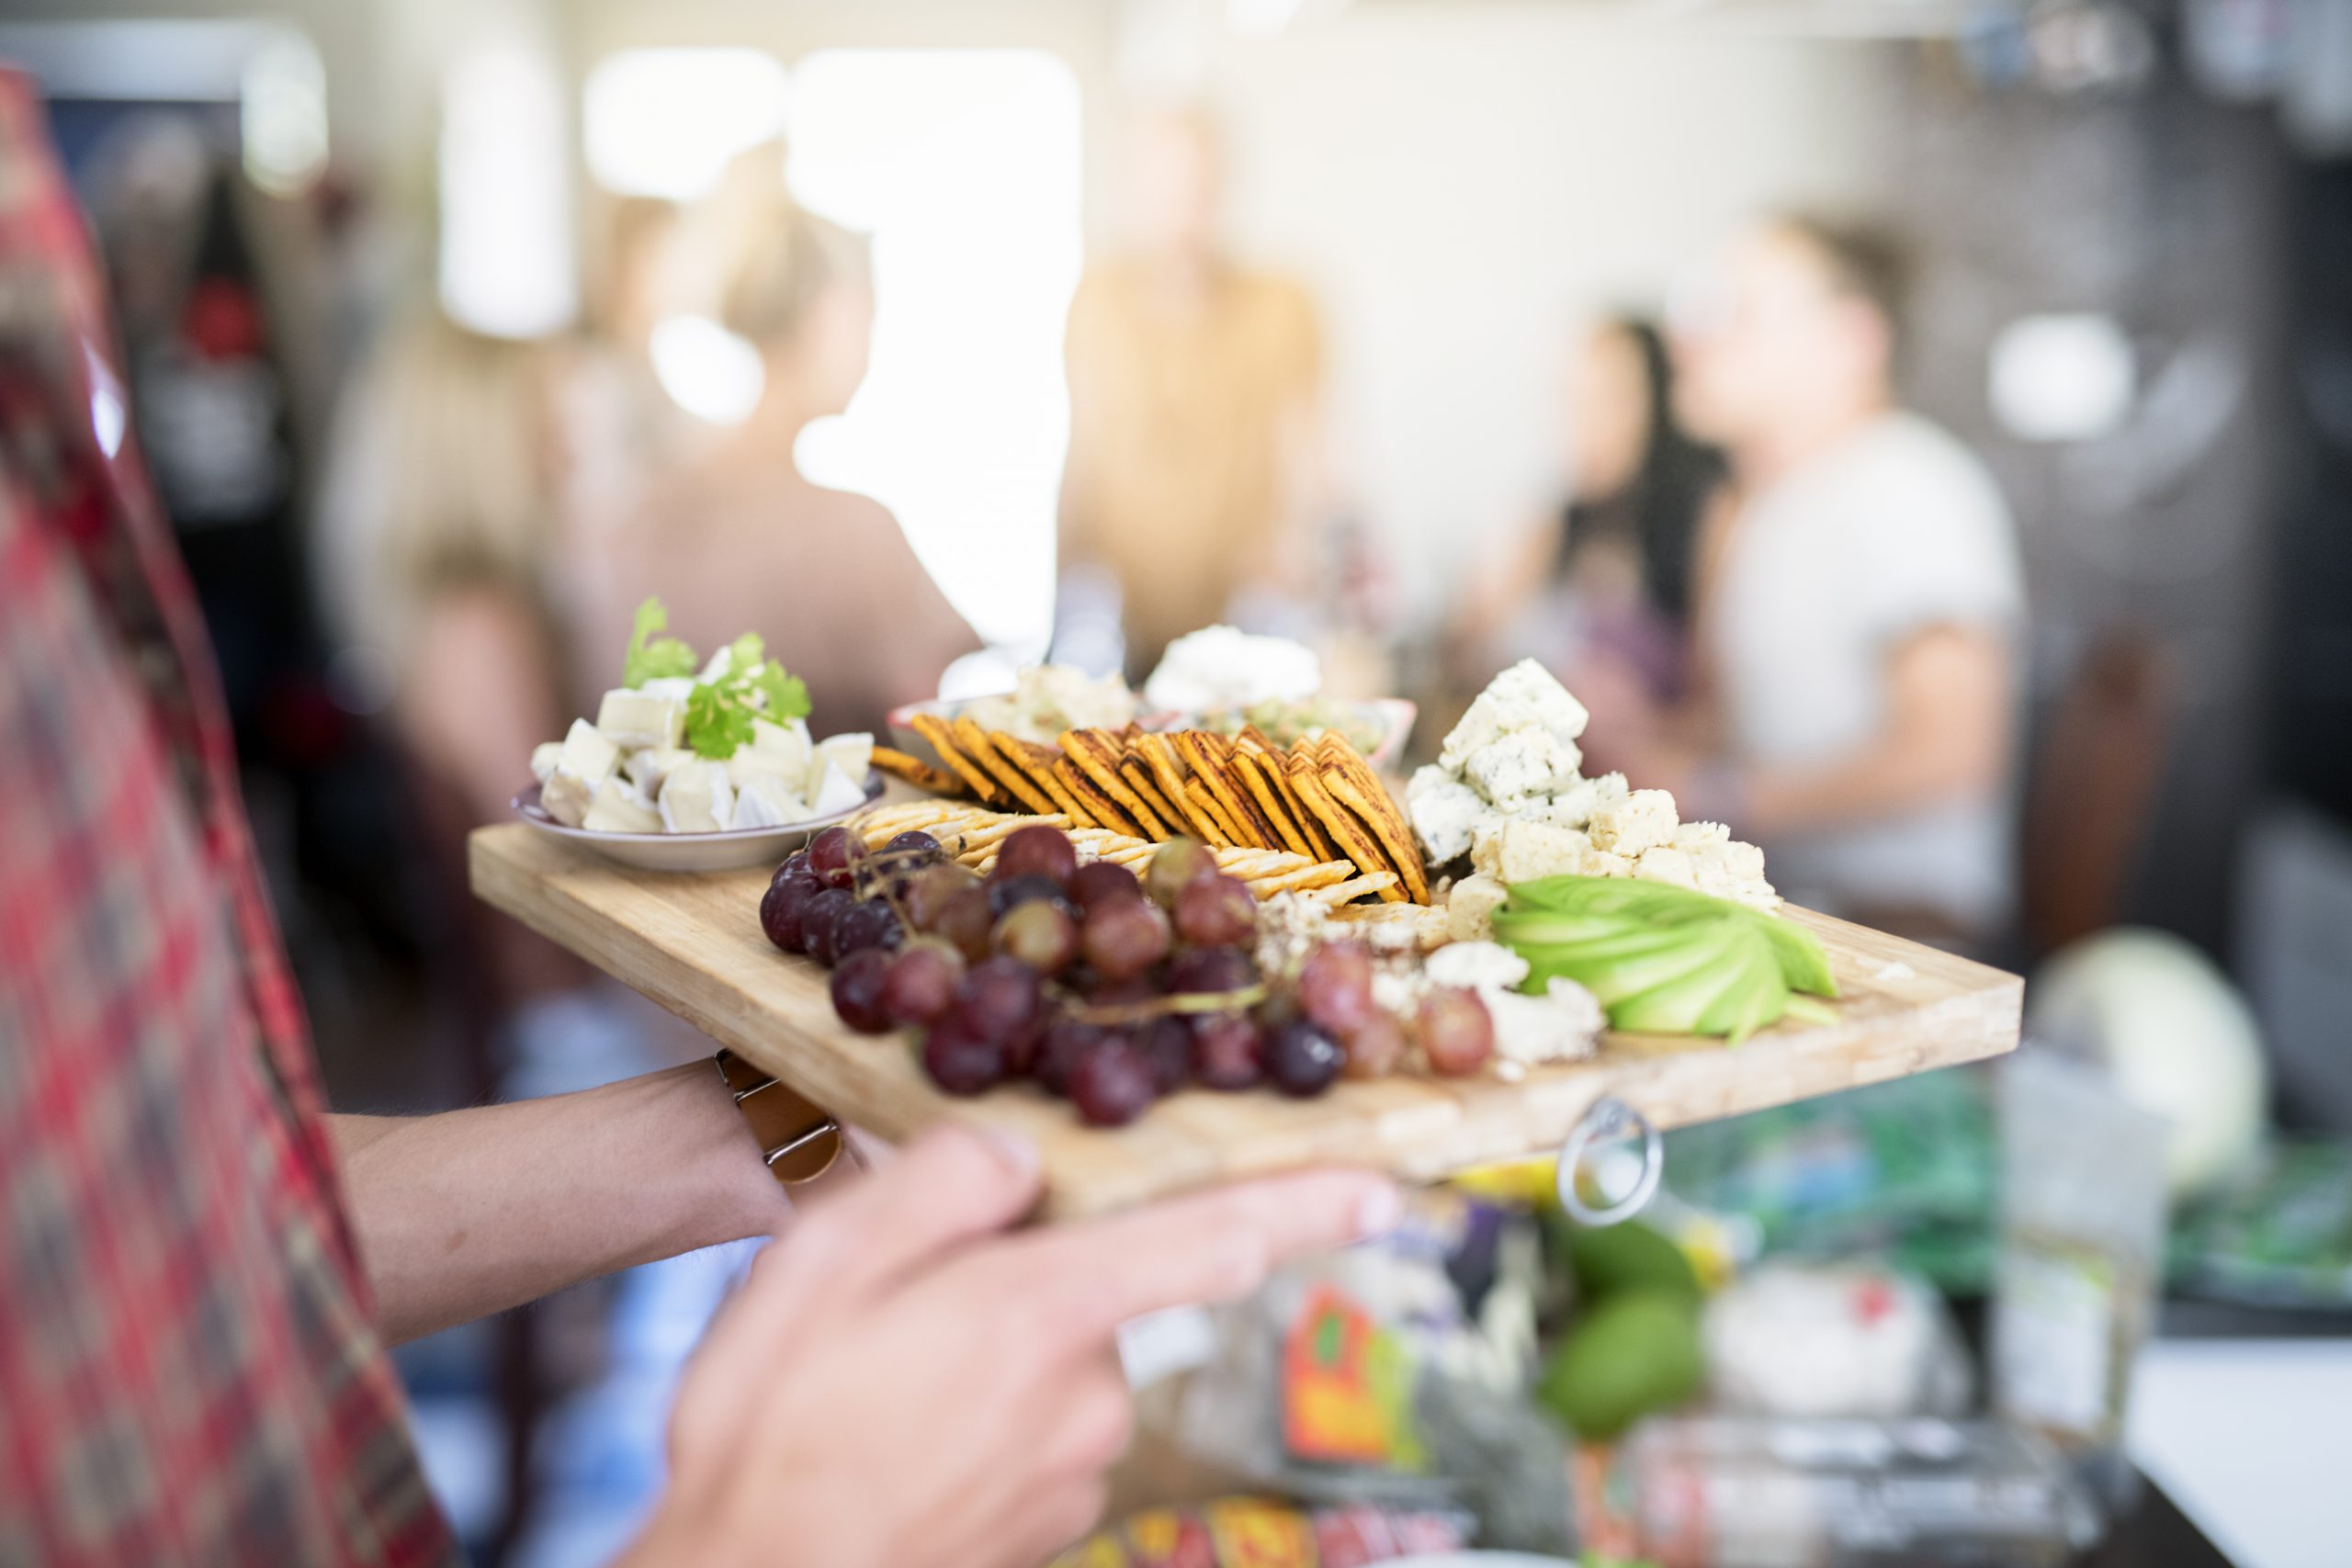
(1476, 966)
(1642, 821)
(1443, 811)
(634, 720)
(1576, 802)
(1563, 1024)
(1664, 863)
(1523, 696)
(1522, 763)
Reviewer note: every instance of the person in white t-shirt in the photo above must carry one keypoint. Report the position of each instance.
(1861, 604)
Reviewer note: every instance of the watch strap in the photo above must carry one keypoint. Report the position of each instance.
(797, 1139)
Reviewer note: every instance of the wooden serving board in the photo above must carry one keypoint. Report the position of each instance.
(693, 945)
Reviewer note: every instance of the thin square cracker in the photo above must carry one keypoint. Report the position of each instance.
(1348, 790)
(1276, 766)
(1208, 755)
(1139, 778)
(1167, 767)
(1206, 809)
(980, 746)
(1353, 837)
(917, 772)
(1252, 767)
(1106, 810)
(936, 730)
(1040, 763)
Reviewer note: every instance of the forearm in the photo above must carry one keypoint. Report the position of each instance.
(471, 1211)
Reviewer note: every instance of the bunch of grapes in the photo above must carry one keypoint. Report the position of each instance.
(1100, 987)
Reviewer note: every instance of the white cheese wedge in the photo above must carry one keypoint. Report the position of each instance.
(836, 794)
(676, 687)
(766, 801)
(647, 769)
(1523, 696)
(1470, 907)
(633, 720)
(852, 753)
(543, 758)
(582, 765)
(619, 809)
(1641, 821)
(568, 799)
(697, 798)
(1443, 810)
(777, 751)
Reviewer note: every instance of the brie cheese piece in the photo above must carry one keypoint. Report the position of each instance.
(777, 751)
(852, 753)
(766, 801)
(634, 720)
(676, 687)
(619, 809)
(836, 794)
(581, 765)
(568, 799)
(697, 798)
(543, 758)
(647, 769)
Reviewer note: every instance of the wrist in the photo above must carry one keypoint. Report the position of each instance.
(745, 1196)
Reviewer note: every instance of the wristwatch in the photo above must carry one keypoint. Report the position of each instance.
(798, 1141)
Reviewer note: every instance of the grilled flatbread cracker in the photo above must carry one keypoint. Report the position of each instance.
(980, 746)
(1209, 756)
(1251, 766)
(1138, 776)
(1353, 837)
(917, 772)
(1274, 764)
(1036, 763)
(1346, 788)
(1168, 769)
(936, 730)
(1100, 804)
(1224, 834)
(1097, 753)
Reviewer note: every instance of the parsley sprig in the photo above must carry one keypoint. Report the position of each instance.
(720, 711)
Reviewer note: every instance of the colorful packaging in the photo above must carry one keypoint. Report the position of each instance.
(1257, 1532)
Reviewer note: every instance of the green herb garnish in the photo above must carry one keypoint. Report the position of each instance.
(720, 711)
(658, 659)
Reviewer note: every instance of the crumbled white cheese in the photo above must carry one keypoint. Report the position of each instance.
(1664, 863)
(1477, 965)
(1643, 820)
(1522, 763)
(1470, 907)
(1443, 809)
(1522, 696)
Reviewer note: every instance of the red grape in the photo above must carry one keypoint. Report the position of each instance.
(871, 923)
(1206, 969)
(1228, 1051)
(1111, 1085)
(1125, 937)
(1004, 892)
(857, 985)
(1103, 882)
(1179, 864)
(912, 843)
(820, 922)
(1059, 1050)
(1458, 1033)
(930, 887)
(965, 921)
(1001, 999)
(782, 907)
(921, 982)
(832, 854)
(959, 1059)
(1377, 1047)
(1038, 851)
(794, 864)
(1302, 1059)
(1214, 911)
(1335, 987)
(1166, 1045)
(1038, 935)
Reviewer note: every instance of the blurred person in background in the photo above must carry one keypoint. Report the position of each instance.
(199, 1267)
(1195, 469)
(735, 538)
(1604, 586)
(1864, 604)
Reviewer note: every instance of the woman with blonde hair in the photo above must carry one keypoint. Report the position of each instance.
(736, 538)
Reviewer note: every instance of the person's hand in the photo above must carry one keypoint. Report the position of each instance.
(902, 1383)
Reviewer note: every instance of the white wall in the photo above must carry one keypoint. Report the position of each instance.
(1459, 179)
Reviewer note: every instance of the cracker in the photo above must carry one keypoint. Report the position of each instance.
(917, 772)
(1039, 764)
(1168, 769)
(1275, 765)
(1353, 837)
(980, 746)
(1097, 753)
(1349, 792)
(1138, 776)
(936, 730)
(1253, 767)
(1224, 834)
(1304, 878)
(1383, 883)
(1211, 757)
(1106, 810)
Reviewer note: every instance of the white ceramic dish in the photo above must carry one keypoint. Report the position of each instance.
(1393, 715)
(693, 851)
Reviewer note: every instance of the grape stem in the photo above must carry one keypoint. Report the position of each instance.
(1112, 1014)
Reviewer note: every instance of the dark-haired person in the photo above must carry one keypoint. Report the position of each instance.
(199, 1267)
(1607, 583)
(1859, 643)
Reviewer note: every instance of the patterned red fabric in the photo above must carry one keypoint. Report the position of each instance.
(189, 1372)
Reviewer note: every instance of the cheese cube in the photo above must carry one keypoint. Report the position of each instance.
(543, 757)
(1476, 966)
(617, 810)
(1523, 696)
(1641, 821)
(852, 753)
(836, 793)
(568, 799)
(633, 720)
(648, 768)
(1697, 836)
(677, 687)
(1669, 865)
(1522, 762)
(1573, 805)
(587, 755)
(1443, 810)
(1470, 907)
(766, 801)
(697, 798)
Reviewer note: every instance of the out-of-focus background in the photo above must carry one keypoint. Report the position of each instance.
(930, 335)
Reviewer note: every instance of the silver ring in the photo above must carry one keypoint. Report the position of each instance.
(1607, 1118)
